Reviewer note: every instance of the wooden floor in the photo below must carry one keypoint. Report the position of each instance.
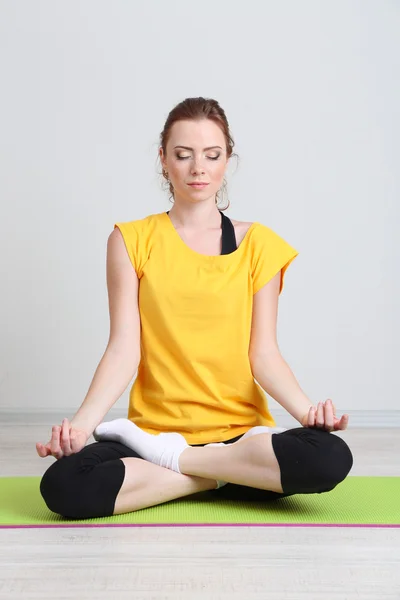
(200, 563)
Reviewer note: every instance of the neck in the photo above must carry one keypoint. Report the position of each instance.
(195, 217)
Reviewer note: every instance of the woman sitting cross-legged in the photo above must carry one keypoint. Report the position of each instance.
(193, 300)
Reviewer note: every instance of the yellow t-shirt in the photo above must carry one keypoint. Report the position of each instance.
(194, 375)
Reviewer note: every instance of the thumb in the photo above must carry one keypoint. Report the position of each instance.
(42, 450)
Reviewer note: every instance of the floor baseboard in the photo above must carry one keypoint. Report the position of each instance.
(367, 419)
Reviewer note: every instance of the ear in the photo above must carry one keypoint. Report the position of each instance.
(162, 158)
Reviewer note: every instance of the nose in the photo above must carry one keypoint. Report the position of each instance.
(197, 167)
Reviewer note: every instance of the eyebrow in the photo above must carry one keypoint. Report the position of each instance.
(188, 148)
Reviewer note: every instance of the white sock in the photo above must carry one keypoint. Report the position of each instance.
(262, 429)
(163, 449)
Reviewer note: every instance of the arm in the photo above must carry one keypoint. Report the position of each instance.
(273, 373)
(122, 355)
(109, 382)
(276, 378)
(267, 364)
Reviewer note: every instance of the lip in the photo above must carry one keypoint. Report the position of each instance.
(197, 184)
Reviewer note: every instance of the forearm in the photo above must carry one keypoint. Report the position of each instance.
(275, 377)
(115, 370)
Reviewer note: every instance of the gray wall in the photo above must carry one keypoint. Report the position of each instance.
(311, 90)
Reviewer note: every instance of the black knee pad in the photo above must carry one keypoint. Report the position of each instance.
(311, 460)
(62, 486)
(80, 486)
(52, 486)
(339, 458)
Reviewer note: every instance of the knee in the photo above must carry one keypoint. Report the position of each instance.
(76, 487)
(311, 460)
(58, 488)
(335, 460)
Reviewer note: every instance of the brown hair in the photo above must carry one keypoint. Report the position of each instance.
(197, 109)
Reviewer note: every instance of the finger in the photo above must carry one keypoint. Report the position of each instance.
(342, 422)
(329, 418)
(43, 450)
(40, 449)
(55, 441)
(65, 441)
(320, 420)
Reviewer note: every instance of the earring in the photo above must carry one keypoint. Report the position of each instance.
(224, 191)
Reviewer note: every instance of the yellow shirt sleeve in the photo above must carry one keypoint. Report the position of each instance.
(270, 254)
(134, 242)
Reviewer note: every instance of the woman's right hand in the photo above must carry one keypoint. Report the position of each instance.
(65, 440)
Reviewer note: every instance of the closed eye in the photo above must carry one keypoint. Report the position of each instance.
(209, 157)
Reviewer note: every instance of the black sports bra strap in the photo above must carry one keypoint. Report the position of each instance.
(228, 235)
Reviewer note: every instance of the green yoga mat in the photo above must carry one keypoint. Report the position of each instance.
(357, 501)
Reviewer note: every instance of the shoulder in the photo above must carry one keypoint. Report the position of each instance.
(260, 233)
(263, 238)
(241, 228)
(135, 235)
(134, 227)
(137, 222)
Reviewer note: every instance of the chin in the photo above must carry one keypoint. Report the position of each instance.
(204, 194)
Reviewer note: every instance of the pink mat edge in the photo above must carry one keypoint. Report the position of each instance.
(71, 525)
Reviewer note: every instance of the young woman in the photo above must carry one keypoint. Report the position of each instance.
(193, 300)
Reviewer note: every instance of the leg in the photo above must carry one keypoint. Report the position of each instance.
(300, 460)
(146, 484)
(107, 478)
(250, 462)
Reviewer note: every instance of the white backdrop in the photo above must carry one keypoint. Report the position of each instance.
(312, 94)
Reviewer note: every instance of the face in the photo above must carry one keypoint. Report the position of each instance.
(195, 162)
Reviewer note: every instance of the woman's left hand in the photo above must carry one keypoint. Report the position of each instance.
(323, 417)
